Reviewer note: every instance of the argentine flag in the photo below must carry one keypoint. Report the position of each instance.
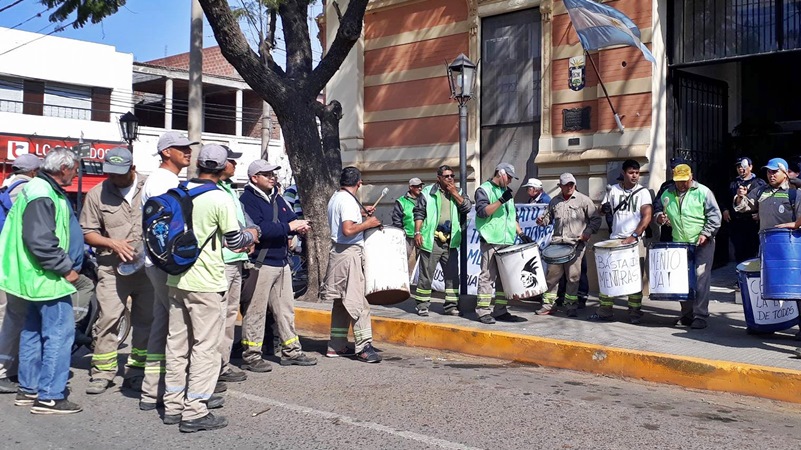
(600, 26)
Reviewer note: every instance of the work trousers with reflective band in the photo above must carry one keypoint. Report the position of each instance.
(45, 348)
(274, 291)
(193, 355)
(573, 271)
(233, 275)
(448, 259)
(153, 384)
(487, 279)
(411, 254)
(112, 293)
(704, 257)
(344, 287)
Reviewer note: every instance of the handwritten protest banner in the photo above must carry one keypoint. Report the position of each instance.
(618, 268)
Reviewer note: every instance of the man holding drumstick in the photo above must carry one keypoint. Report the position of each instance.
(630, 205)
(573, 216)
(691, 210)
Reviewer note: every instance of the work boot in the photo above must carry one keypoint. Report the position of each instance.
(582, 302)
(98, 387)
(133, 383)
(635, 316)
(507, 317)
(301, 359)
(207, 422)
(148, 406)
(233, 376)
(698, 324)
(572, 310)
(486, 319)
(215, 402)
(171, 419)
(220, 387)
(422, 312)
(7, 386)
(258, 365)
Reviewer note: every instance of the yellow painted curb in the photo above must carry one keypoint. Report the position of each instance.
(747, 379)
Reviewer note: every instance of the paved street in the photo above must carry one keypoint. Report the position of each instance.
(420, 398)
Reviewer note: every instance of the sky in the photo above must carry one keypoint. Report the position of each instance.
(150, 29)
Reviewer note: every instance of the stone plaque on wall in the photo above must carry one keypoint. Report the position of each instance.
(576, 119)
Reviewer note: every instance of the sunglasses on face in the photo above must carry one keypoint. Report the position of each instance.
(450, 175)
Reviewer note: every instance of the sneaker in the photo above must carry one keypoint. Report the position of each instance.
(7, 386)
(369, 355)
(685, 320)
(98, 387)
(259, 365)
(215, 402)
(347, 351)
(301, 360)
(133, 383)
(486, 319)
(698, 324)
(207, 422)
(507, 317)
(232, 376)
(422, 312)
(171, 419)
(546, 309)
(62, 406)
(220, 387)
(451, 311)
(25, 399)
(148, 406)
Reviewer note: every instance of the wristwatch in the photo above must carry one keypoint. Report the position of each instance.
(635, 235)
(417, 233)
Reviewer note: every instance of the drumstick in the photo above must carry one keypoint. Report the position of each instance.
(383, 193)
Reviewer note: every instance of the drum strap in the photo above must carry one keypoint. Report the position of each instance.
(357, 201)
(627, 200)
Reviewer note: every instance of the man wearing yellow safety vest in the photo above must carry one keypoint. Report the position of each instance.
(403, 218)
(496, 223)
(438, 217)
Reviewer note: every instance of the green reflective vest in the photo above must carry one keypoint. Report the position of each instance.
(407, 204)
(501, 227)
(431, 221)
(687, 217)
(228, 255)
(20, 272)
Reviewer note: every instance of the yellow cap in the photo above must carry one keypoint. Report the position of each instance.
(682, 172)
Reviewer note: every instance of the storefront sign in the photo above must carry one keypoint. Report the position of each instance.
(12, 146)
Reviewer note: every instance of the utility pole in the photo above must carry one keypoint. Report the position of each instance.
(195, 112)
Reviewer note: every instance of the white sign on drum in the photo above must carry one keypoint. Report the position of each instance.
(667, 271)
(769, 312)
(386, 266)
(618, 271)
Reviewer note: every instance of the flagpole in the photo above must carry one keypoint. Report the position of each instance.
(606, 94)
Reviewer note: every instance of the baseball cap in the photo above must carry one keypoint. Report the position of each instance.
(682, 172)
(232, 155)
(777, 164)
(259, 166)
(212, 157)
(173, 139)
(118, 161)
(675, 161)
(508, 168)
(566, 178)
(26, 162)
(746, 159)
(415, 182)
(533, 182)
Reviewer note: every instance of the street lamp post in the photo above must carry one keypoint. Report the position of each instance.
(462, 80)
(129, 127)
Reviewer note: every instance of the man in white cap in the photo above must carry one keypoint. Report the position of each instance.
(496, 223)
(111, 221)
(175, 151)
(273, 284)
(196, 297)
(535, 192)
(24, 169)
(574, 217)
(403, 218)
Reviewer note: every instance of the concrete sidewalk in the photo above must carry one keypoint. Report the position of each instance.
(721, 357)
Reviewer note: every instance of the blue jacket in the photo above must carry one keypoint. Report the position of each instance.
(273, 234)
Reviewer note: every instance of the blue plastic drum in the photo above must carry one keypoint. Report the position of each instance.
(781, 263)
(671, 271)
(762, 315)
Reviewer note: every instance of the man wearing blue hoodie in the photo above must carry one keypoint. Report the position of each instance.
(273, 288)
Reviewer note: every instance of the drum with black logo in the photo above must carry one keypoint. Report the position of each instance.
(522, 273)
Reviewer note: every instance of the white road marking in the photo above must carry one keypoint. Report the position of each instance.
(351, 421)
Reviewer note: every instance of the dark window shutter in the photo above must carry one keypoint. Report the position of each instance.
(33, 98)
(101, 104)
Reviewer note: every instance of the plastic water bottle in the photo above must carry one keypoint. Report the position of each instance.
(136, 264)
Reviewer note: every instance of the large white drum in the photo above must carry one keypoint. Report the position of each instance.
(618, 268)
(521, 270)
(386, 266)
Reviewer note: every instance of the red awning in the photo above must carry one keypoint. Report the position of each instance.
(88, 182)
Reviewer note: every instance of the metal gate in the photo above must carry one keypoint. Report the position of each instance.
(700, 113)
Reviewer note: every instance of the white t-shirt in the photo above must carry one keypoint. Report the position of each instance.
(129, 192)
(158, 182)
(626, 219)
(342, 207)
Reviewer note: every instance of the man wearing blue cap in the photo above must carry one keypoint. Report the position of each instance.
(743, 226)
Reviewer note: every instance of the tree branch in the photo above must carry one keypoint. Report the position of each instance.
(348, 33)
(294, 17)
(234, 46)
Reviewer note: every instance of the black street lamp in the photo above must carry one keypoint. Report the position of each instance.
(462, 80)
(129, 127)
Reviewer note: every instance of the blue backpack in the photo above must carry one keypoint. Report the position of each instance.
(5, 200)
(167, 223)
